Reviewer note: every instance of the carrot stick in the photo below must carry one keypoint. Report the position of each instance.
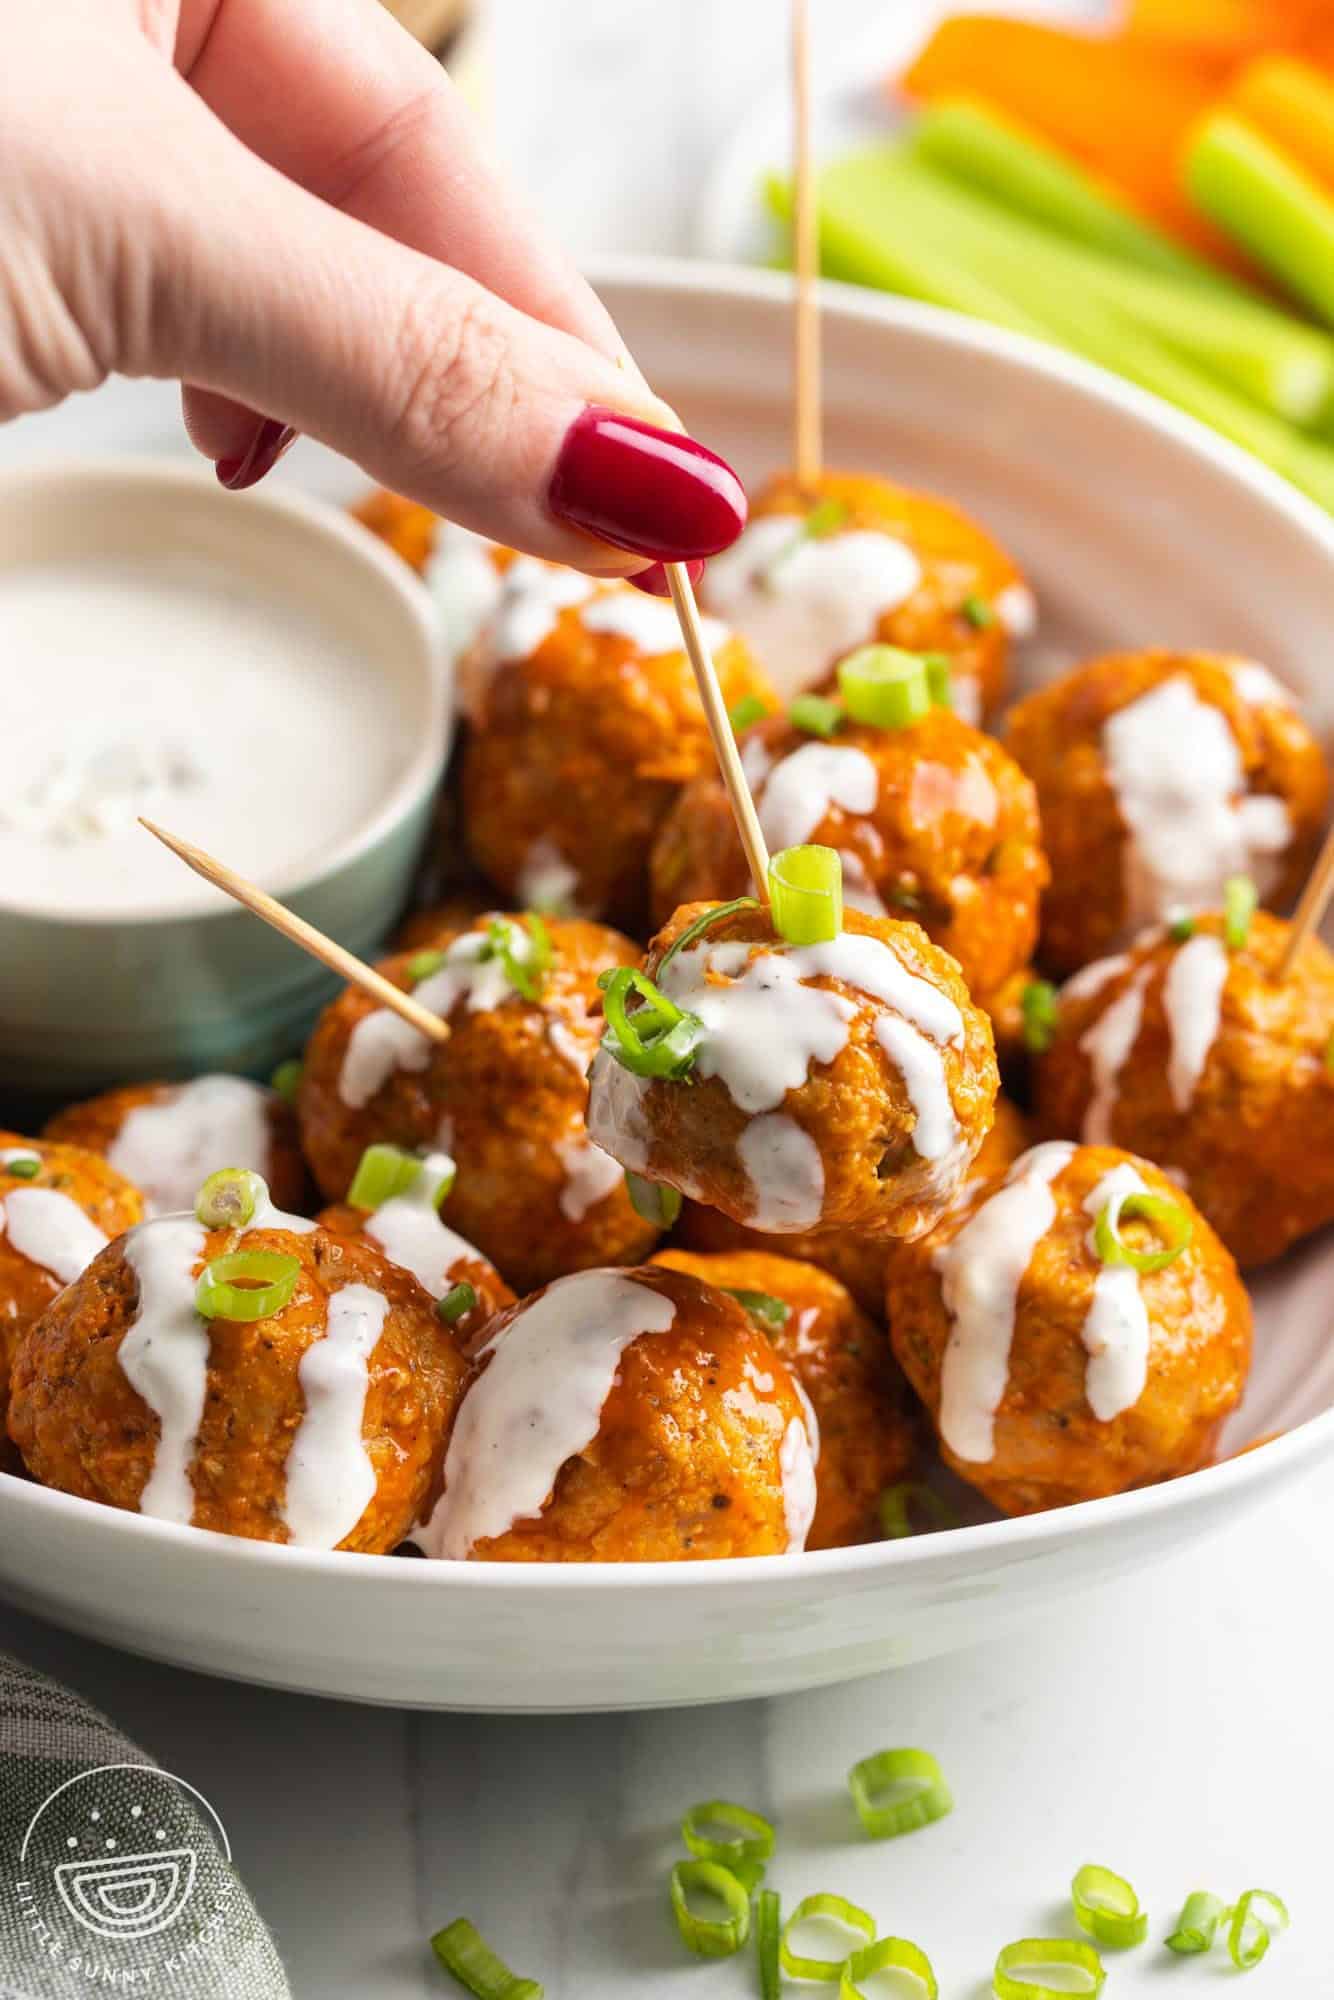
(1292, 104)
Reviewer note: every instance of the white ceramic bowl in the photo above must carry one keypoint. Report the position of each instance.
(1136, 527)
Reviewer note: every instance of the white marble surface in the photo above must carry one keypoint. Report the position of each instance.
(1176, 1729)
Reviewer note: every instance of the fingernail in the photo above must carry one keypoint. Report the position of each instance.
(267, 446)
(653, 580)
(656, 492)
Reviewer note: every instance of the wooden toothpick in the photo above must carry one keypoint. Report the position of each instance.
(1309, 913)
(807, 441)
(303, 934)
(720, 728)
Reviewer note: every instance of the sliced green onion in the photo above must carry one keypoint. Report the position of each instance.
(815, 715)
(749, 1874)
(887, 1955)
(746, 711)
(806, 894)
(652, 1201)
(1239, 901)
(719, 1830)
(1107, 1907)
(228, 1199)
(768, 1919)
(838, 1910)
(286, 1079)
(659, 1039)
(978, 612)
(422, 965)
(895, 1507)
(1197, 1926)
(1028, 1954)
(462, 1950)
(524, 950)
(1041, 1010)
(939, 679)
(710, 1937)
(1168, 1217)
(884, 687)
(382, 1173)
(23, 1166)
(1181, 930)
(896, 1791)
(702, 924)
(458, 1300)
(246, 1285)
(1248, 1934)
(762, 1306)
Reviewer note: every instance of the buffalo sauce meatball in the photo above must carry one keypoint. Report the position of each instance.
(506, 1094)
(843, 1085)
(1074, 1329)
(438, 923)
(461, 570)
(1159, 776)
(167, 1137)
(867, 1435)
(586, 724)
(322, 1421)
(933, 821)
(853, 559)
(626, 1416)
(1198, 1054)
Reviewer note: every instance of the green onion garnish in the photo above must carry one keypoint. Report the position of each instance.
(458, 1300)
(1181, 930)
(762, 1306)
(710, 1937)
(423, 965)
(1030, 1953)
(896, 1791)
(228, 1199)
(269, 1281)
(815, 715)
(1197, 1926)
(1239, 901)
(939, 679)
(702, 924)
(525, 953)
(806, 894)
(659, 1039)
(884, 687)
(384, 1172)
(978, 612)
(767, 1924)
(840, 1911)
(895, 1507)
(887, 1955)
(1107, 1907)
(746, 711)
(749, 1874)
(721, 1831)
(462, 1950)
(1168, 1217)
(652, 1201)
(1041, 1008)
(1248, 1935)
(23, 1167)
(286, 1079)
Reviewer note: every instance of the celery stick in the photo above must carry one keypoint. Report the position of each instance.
(1273, 210)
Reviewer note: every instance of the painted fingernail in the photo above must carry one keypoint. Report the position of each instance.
(656, 492)
(267, 446)
(653, 580)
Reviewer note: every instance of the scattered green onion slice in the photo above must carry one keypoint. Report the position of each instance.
(286, 1079)
(23, 1166)
(383, 1172)
(749, 1874)
(743, 713)
(884, 687)
(458, 1300)
(1107, 1907)
(719, 1830)
(815, 715)
(702, 924)
(806, 894)
(1248, 1933)
(939, 679)
(1168, 1217)
(462, 1950)
(422, 965)
(1041, 1008)
(710, 1937)
(978, 612)
(1239, 902)
(762, 1306)
(1197, 1926)
(840, 1911)
(887, 1955)
(768, 1918)
(896, 1505)
(653, 1201)
(915, 1776)
(228, 1198)
(1027, 1954)
(270, 1280)
(1181, 930)
(659, 1039)
(524, 950)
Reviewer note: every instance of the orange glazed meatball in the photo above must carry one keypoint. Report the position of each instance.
(506, 1094)
(934, 821)
(168, 1137)
(860, 559)
(461, 570)
(1159, 776)
(586, 724)
(626, 1416)
(1204, 1059)
(1054, 1367)
(867, 1435)
(322, 1422)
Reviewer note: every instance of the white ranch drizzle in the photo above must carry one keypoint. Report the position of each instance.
(980, 1271)
(464, 583)
(409, 1230)
(169, 1146)
(382, 1042)
(330, 1477)
(1091, 979)
(801, 788)
(164, 1355)
(936, 1132)
(1256, 685)
(1174, 766)
(547, 881)
(650, 623)
(786, 1174)
(575, 1043)
(755, 761)
(796, 1465)
(49, 1229)
(1192, 1006)
(590, 1175)
(536, 1403)
(966, 696)
(532, 596)
(1116, 1327)
(1017, 609)
(1107, 1044)
(859, 892)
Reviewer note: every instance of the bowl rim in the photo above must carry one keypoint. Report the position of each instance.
(357, 546)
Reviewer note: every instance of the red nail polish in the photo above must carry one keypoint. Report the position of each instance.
(653, 580)
(656, 492)
(269, 443)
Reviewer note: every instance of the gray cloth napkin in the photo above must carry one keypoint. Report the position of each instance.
(115, 1876)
